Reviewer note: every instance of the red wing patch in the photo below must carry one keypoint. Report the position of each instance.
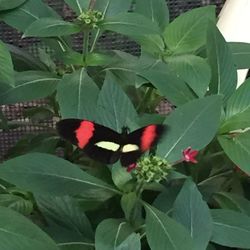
(84, 133)
(148, 137)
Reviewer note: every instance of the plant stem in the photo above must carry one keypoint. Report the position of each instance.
(145, 99)
(85, 44)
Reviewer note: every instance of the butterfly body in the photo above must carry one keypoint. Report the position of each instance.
(106, 145)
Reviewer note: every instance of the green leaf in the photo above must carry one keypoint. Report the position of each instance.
(7, 5)
(132, 242)
(77, 95)
(112, 7)
(237, 149)
(18, 233)
(16, 203)
(188, 31)
(66, 212)
(156, 10)
(47, 174)
(241, 54)
(98, 59)
(193, 213)
(192, 125)
(224, 75)
(24, 61)
(110, 233)
(164, 233)
(51, 27)
(30, 11)
(115, 109)
(168, 85)
(78, 6)
(232, 201)
(237, 115)
(130, 24)
(6, 66)
(230, 228)
(30, 85)
(193, 70)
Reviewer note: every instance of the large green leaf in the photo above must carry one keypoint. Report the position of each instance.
(78, 6)
(188, 31)
(224, 75)
(241, 54)
(18, 233)
(7, 5)
(237, 115)
(6, 66)
(50, 27)
(164, 233)
(237, 149)
(65, 212)
(20, 18)
(130, 24)
(47, 174)
(132, 242)
(193, 70)
(115, 109)
(230, 228)
(169, 85)
(156, 10)
(77, 96)
(110, 233)
(233, 202)
(193, 213)
(192, 125)
(30, 85)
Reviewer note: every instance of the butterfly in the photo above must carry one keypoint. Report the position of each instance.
(108, 146)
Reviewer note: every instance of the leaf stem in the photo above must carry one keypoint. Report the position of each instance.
(85, 44)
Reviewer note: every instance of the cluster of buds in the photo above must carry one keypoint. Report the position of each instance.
(90, 18)
(152, 169)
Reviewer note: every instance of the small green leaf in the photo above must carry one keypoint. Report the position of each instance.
(237, 115)
(6, 66)
(30, 85)
(156, 10)
(81, 94)
(241, 54)
(47, 174)
(110, 233)
(192, 125)
(193, 213)
(164, 233)
(78, 6)
(21, 18)
(115, 109)
(19, 233)
(224, 76)
(7, 5)
(188, 31)
(230, 228)
(51, 27)
(130, 24)
(16, 203)
(193, 70)
(237, 149)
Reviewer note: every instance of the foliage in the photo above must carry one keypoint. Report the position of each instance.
(167, 202)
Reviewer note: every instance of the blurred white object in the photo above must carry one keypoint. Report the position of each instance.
(234, 21)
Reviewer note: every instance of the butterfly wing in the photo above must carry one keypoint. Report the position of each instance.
(98, 142)
(140, 141)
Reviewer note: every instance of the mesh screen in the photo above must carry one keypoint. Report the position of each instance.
(108, 41)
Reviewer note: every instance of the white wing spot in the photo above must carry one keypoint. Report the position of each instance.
(129, 148)
(108, 145)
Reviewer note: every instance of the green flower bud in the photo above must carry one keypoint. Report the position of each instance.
(152, 169)
(90, 19)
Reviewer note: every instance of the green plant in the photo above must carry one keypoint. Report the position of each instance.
(166, 202)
